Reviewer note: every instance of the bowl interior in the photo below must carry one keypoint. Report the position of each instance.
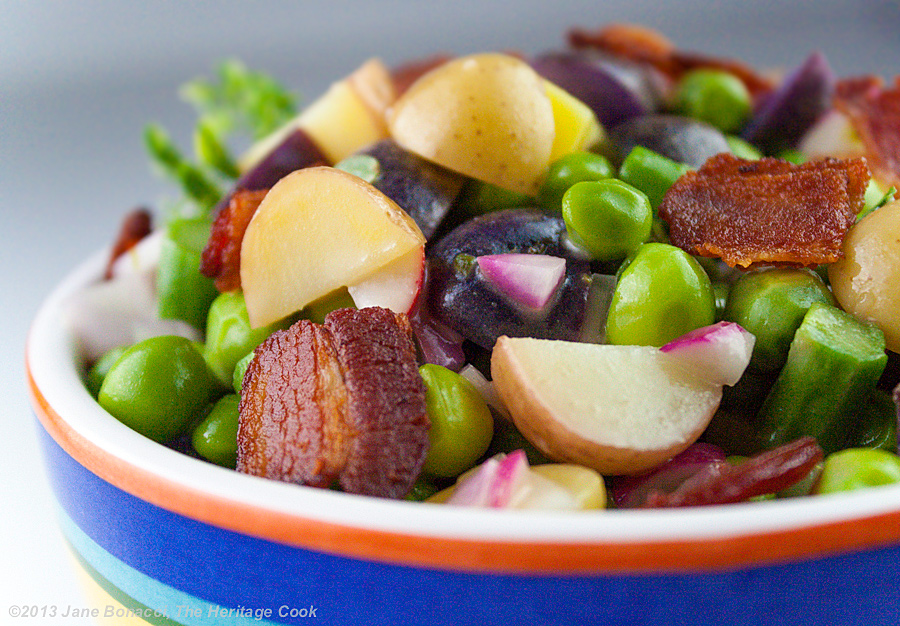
(704, 537)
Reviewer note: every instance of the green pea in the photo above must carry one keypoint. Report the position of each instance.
(661, 294)
(158, 387)
(714, 96)
(100, 369)
(770, 304)
(338, 299)
(229, 335)
(858, 468)
(215, 438)
(461, 422)
(875, 425)
(651, 172)
(572, 168)
(609, 218)
(478, 197)
(421, 490)
(743, 149)
(240, 368)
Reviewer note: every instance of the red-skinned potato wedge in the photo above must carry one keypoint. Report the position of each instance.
(616, 409)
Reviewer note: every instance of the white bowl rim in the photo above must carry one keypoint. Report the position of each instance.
(51, 358)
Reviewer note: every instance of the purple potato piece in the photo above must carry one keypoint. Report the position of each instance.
(616, 91)
(787, 113)
(424, 190)
(679, 138)
(459, 297)
(295, 152)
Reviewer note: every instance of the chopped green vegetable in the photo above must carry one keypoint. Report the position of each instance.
(651, 172)
(184, 293)
(211, 151)
(833, 364)
(875, 198)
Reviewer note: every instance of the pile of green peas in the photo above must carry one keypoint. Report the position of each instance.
(169, 387)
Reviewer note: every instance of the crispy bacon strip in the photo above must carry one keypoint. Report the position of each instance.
(644, 45)
(766, 212)
(723, 483)
(874, 111)
(136, 225)
(221, 258)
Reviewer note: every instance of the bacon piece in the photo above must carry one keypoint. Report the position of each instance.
(340, 402)
(644, 45)
(221, 258)
(405, 75)
(765, 473)
(136, 225)
(874, 112)
(292, 420)
(386, 400)
(766, 212)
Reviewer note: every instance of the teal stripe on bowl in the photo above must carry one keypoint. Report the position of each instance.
(143, 591)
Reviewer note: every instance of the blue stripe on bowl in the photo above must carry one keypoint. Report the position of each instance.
(229, 569)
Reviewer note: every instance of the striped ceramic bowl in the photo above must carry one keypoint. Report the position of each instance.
(164, 538)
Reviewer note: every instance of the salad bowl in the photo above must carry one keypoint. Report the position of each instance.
(438, 198)
(165, 538)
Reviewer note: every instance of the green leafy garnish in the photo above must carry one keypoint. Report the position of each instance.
(240, 101)
(194, 180)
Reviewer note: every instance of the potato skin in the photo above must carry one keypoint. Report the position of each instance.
(487, 116)
(866, 282)
(540, 425)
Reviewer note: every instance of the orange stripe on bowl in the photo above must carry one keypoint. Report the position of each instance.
(471, 555)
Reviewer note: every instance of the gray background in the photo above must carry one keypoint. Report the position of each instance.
(79, 80)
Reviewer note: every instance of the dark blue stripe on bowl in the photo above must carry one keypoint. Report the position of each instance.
(232, 569)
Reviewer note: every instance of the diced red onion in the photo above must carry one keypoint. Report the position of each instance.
(719, 353)
(530, 280)
(439, 345)
(485, 388)
(494, 484)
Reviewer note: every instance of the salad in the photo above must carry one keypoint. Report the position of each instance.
(618, 274)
